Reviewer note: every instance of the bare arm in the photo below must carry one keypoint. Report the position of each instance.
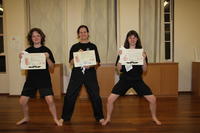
(144, 67)
(49, 62)
(71, 62)
(119, 67)
(20, 55)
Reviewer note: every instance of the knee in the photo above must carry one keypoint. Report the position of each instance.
(70, 97)
(50, 101)
(95, 98)
(152, 100)
(22, 102)
(110, 100)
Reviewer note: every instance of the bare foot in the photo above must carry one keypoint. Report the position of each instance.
(105, 122)
(101, 121)
(58, 123)
(61, 122)
(157, 121)
(22, 121)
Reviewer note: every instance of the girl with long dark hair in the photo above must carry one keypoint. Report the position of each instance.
(132, 79)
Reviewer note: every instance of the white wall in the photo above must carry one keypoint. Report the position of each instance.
(4, 83)
(15, 31)
(74, 20)
(128, 18)
(187, 37)
(74, 13)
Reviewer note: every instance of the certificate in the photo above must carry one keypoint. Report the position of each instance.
(131, 57)
(84, 58)
(31, 61)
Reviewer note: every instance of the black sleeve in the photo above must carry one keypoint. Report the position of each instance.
(146, 60)
(51, 56)
(71, 53)
(97, 54)
(28, 50)
(117, 60)
(123, 67)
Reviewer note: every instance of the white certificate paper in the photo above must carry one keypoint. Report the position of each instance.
(131, 57)
(31, 61)
(84, 58)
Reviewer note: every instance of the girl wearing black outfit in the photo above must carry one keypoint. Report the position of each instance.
(132, 79)
(38, 79)
(83, 75)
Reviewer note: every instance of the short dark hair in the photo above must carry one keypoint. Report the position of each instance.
(134, 33)
(82, 26)
(39, 31)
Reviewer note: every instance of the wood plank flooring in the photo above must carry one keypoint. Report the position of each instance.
(131, 115)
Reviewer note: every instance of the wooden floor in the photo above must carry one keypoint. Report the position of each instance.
(131, 115)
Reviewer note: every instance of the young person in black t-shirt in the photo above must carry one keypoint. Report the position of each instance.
(83, 75)
(38, 79)
(131, 78)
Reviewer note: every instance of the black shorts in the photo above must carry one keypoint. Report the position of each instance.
(139, 86)
(31, 92)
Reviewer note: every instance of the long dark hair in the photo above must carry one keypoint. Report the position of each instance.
(133, 33)
(82, 26)
(39, 31)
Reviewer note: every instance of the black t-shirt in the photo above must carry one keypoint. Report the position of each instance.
(39, 78)
(134, 74)
(84, 46)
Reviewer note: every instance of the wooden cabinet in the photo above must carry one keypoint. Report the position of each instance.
(106, 80)
(196, 78)
(162, 78)
(57, 80)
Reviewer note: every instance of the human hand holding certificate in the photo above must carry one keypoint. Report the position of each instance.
(84, 58)
(131, 57)
(30, 61)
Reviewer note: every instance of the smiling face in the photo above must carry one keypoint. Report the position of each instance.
(132, 40)
(83, 34)
(36, 38)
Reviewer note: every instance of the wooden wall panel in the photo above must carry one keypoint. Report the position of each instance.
(57, 80)
(196, 78)
(152, 78)
(106, 79)
(169, 80)
(162, 78)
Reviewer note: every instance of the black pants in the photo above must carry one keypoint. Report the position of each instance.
(89, 79)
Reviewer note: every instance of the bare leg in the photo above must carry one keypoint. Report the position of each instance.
(52, 109)
(152, 104)
(24, 103)
(111, 99)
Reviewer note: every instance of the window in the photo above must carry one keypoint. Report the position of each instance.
(168, 28)
(2, 64)
(2, 52)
